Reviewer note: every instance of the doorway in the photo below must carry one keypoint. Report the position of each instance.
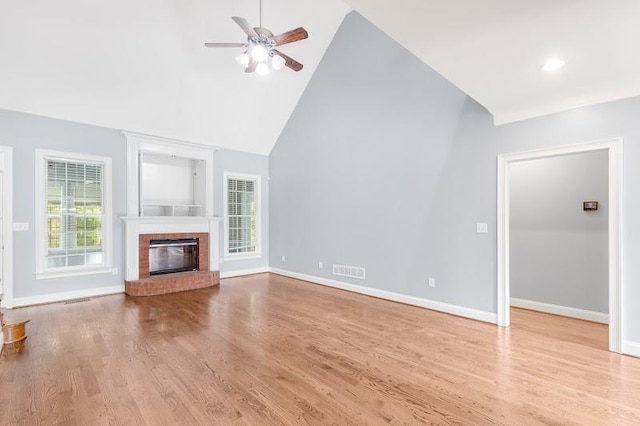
(613, 148)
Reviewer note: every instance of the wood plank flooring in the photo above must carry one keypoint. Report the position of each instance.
(267, 349)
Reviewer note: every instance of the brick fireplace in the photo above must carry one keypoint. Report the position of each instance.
(140, 232)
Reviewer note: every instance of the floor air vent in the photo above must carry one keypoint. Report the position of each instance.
(83, 299)
(348, 271)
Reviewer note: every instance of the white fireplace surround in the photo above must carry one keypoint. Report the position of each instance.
(136, 226)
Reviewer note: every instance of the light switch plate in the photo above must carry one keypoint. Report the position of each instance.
(482, 228)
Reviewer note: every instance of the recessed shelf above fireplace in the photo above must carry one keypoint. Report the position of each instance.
(171, 178)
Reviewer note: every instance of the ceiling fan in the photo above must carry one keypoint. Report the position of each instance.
(261, 46)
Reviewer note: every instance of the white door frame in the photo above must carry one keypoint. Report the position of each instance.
(614, 149)
(6, 168)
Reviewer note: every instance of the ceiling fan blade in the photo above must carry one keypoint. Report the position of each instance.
(226, 44)
(291, 36)
(289, 61)
(245, 26)
(251, 67)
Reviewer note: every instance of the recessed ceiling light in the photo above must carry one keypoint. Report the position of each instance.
(553, 65)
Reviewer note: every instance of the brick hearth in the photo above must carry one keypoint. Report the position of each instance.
(148, 285)
(172, 283)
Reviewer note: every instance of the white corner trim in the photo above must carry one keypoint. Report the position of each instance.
(6, 168)
(59, 297)
(564, 311)
(242, 272)
(631, 348)
(460, 311)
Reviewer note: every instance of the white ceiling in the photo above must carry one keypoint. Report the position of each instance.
(494, 49)
(140, 65)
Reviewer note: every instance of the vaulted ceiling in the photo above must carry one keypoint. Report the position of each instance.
(141, 66)
(494, 49)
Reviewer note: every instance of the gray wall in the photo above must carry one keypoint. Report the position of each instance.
(386, 165)
(558, 252)
(25, 133)
(369, 172)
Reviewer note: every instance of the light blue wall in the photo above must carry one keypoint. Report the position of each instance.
(559, 254)
(370, 171)
(384, 164)
(26, 133)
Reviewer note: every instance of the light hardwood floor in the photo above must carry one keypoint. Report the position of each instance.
(267, 349)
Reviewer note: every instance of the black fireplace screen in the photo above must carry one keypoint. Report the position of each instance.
(169, 256)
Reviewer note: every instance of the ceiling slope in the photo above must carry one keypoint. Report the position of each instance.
(494, 49)
(141, 65)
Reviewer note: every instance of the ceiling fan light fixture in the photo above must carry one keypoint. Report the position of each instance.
(259, 53)
(553, 65)
(260, 48)
(277, 62)
(262, 69)
(243, 60)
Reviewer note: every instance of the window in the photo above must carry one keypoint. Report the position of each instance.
(242, 217)
(73, 214)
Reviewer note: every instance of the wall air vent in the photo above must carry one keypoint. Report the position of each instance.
(80, 300)
(348, 271)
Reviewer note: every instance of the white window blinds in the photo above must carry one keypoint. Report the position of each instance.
(75, 207)
(241, 215)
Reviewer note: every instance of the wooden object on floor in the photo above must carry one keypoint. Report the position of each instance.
(14, 332)
(267, 349)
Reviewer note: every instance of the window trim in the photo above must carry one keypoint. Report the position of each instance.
(258, 199)
(42, 270)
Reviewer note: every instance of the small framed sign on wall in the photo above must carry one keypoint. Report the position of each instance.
(589, 206)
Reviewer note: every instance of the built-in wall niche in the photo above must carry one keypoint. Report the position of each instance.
(167, 177)
(171, 185)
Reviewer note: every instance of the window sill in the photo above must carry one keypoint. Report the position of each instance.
(72, 273)
(229, 257)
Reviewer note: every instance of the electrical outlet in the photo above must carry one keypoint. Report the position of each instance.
(284, 259)
(432, 282)
(114, 271)
(20, 226)
(320, 265)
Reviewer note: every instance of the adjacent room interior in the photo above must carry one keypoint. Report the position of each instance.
(336, 212)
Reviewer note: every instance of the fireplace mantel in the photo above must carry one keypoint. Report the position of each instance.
(137, 225)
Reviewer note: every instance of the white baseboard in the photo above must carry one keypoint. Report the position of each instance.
(395, 297)
(59, 297)
(241, 272)
(561, 310)
(631, 348)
